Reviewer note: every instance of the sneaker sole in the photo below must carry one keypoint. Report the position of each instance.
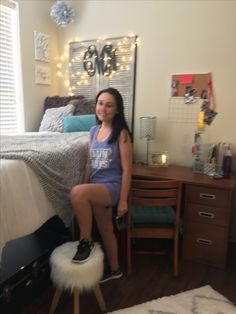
(76, 261)
(111, 278)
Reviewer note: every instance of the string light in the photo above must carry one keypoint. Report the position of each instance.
(110, 69)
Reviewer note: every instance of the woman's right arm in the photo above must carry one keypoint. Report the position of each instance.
(87, 170)
(88, 163)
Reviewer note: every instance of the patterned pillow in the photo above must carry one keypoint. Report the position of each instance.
(53, 118)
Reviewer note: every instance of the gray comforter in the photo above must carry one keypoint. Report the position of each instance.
(58, 159)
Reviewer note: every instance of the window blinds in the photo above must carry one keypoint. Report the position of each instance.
(9, 114)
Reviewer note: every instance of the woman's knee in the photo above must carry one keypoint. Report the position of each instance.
(95, 194)
(75, 193)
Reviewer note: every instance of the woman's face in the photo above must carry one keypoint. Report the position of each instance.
(106, 107)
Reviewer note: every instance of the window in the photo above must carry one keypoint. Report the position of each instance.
(9, 68)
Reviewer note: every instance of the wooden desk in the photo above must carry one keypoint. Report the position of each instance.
(206, 206)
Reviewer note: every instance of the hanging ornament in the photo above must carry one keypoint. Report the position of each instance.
(62, 13)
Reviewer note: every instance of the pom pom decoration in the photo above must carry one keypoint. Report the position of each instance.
(62, 13)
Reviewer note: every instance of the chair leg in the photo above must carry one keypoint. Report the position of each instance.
(55, 300)
(128, 245)
(76, 300)
(100, 299)
(176, 255)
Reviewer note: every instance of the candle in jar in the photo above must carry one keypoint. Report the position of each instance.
(163, 159)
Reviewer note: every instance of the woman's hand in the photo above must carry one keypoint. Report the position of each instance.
(122, 208)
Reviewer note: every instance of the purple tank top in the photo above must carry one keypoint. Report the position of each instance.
(105, 160)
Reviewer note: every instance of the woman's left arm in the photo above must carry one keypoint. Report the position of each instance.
(126, 156)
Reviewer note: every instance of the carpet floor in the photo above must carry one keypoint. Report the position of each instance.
(204, 300)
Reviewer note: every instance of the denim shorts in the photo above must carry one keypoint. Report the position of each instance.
(114, 191)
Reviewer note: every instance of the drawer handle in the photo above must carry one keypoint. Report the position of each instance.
(208, 196)
(206, 215)
(204, 241)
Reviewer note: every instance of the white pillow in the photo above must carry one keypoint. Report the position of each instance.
(53, 118)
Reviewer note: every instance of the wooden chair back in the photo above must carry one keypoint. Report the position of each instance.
(154, 193)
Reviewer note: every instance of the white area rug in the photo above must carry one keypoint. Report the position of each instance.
(204, 300)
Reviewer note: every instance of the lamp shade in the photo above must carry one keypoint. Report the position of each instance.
(147, 128)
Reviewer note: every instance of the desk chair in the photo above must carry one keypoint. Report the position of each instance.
(154, 212)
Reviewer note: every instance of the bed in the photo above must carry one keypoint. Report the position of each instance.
(38, 169)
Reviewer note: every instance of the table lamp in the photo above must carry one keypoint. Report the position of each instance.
(147, 131)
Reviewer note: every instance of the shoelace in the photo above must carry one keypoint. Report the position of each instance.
(82, 245)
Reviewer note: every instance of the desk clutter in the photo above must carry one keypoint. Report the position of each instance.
(214, 160)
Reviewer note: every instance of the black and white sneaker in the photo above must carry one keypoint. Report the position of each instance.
(111, 274)
(84, 250)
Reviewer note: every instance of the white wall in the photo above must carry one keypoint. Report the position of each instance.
(34, 16)
(175, 37)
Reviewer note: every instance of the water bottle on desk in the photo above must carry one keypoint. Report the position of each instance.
(197, 153)
(227, 162)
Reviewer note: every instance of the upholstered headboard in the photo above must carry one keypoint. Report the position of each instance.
(82, 105)
(56, 108)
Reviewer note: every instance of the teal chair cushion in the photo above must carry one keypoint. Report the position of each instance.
(152, 214)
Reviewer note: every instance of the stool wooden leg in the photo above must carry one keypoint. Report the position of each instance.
(55, 300)
(76, 300)
(100, 299)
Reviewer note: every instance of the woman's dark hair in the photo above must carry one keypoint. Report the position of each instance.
(118, 123)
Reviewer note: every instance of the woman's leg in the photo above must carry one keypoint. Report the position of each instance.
(103, 217)
(83, 198)
(89, 199)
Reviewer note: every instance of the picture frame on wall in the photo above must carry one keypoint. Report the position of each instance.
(41, 47)
(42, 75)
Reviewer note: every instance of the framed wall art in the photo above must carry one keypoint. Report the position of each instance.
(41, 42)
(42, 75)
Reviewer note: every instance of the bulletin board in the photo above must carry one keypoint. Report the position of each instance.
(183, 113)
(181, 110)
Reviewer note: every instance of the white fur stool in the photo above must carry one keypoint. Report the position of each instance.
(74, 276)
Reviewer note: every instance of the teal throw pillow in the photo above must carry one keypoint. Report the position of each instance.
(80, 123)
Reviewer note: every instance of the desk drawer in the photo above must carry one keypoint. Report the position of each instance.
(207, 196)
(207, 214)
(205, 243)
